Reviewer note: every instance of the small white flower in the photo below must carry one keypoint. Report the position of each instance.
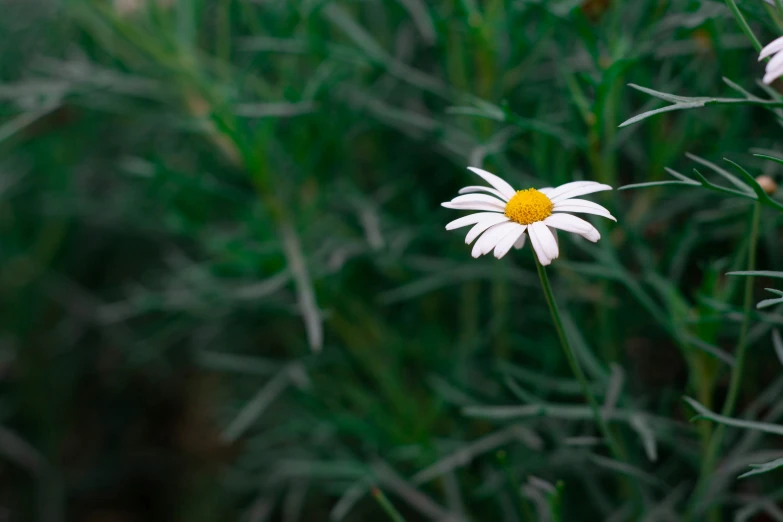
(774, 68)
(508, 213)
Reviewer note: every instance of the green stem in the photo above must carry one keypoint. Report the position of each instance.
(742, 344)
(714, 446)
(743, 24)
(387, 506)
(614, 447)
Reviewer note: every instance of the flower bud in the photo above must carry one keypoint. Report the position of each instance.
(767, 183)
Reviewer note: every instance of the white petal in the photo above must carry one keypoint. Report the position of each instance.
(773, 73)
(775, 67)
(477, 188)
(491, 237)
(775, 63)
(771, 77)
(546, 190)
(582, 206)
(578, 191)
(505, 244)
(484, 224)
(472, 206)
(773, 47)
(471, 219)
(479, 198)
(569, 186)
(504, 188)
(543, 242)
(574, 224)
(520, 242)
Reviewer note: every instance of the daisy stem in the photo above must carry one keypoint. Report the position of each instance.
(743, 24)
(714, 445)
(614, 447)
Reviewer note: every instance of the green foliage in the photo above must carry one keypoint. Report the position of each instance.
(227, 292)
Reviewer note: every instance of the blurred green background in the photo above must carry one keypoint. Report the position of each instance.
(227, 292)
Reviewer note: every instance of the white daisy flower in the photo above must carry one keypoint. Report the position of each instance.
(506, 214)
(774, 68)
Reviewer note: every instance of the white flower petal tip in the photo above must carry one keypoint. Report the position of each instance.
(543, 242)
(501, 185)
(570, 223)
(470, 219)
(774, 68)
(509, 240)
(771, 48)
(492, 237)
(475, 188)
(576, 189)
(582, 206)
(484, 224)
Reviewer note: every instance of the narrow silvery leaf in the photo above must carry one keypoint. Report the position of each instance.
(731, 178)
(654, 184)
(668, 108)
(256, 406)
(769, 302)
(663, 95)
(757, 273)
(763, 468)
(308, 306)
(704, 413)
(640, 425)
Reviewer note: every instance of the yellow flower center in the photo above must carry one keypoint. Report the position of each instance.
(528, 206)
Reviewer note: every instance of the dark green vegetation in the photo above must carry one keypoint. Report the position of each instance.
(227, 291)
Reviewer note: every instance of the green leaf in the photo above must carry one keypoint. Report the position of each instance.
(665, 96)
(704, 413)
(710, 349)
(740, 89)
(473, 111)
(24, 120)
(668, 108)
(680, 176)
(756, 273)
(254, 408)
(766, 303)
(725, 190)
(656, 184)
(484, 109)
(771, 158)
(749, 178)
(731, 178)
(771, 302)
(629, 470)
(642, 428)
(688, 102)
(763, 468)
